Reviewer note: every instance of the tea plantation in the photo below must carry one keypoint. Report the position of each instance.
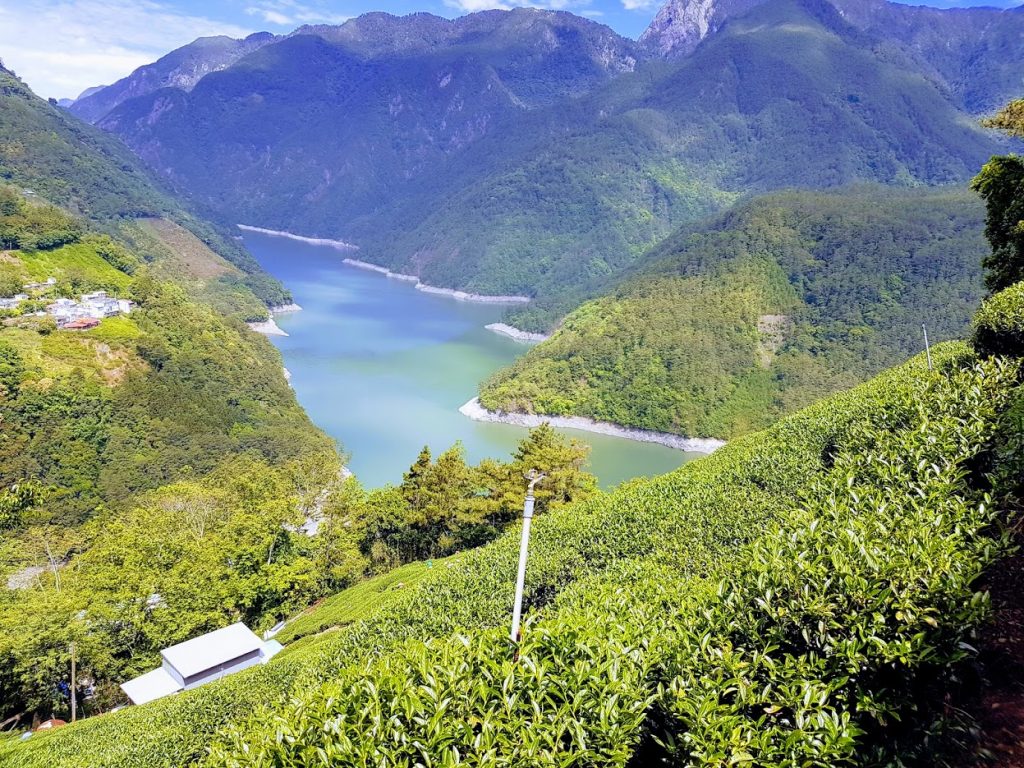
(805, 596)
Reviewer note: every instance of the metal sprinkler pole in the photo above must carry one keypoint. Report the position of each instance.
(927, 348)
(524, 546)
(74, 703)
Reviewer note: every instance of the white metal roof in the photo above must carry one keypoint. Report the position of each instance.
(212, 649)
(151, 685)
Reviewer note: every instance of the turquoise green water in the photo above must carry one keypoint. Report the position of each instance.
(383, 368)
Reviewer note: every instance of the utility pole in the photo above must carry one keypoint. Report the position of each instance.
(927, 349)
(524, 546)
(74, 704)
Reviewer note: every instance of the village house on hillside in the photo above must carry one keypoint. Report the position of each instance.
(71, 314)
(48, 283)
(96, 306)
(200, 660)
(13, 301)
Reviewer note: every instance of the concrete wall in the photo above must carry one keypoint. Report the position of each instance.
(226, 668)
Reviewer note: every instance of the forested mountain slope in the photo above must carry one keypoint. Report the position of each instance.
(156, 453)
(62, 160)
(974, 53)
(788, 297)
(533, 153)
(181, 68)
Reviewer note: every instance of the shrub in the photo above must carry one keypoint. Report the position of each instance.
(621, 614)
(999, 323)
(831, 638)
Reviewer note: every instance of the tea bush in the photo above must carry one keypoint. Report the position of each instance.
(346, 698)
(829, 638)
(999, 324)
(355, 603)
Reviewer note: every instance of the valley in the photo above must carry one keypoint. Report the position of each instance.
(384, 368)
(396, 333)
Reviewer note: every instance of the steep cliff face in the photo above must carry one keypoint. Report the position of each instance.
(681, 25)
(973, 53)
(181, 68)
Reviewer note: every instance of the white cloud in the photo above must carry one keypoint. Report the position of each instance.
(640, 5)
(292, 13)
(62, 47)
(472, 6)
(270, 16)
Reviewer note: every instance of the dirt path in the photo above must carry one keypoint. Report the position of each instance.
(1001, 712)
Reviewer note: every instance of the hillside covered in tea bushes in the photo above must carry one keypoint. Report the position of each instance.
(805, 593)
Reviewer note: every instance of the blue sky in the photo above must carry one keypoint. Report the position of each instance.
(61, 47)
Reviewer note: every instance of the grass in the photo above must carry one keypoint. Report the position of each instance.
(186, 254)
(352, 604)
(114, 329)
(76, 259)
(99, 353)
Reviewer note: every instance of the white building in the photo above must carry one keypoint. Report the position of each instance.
(99, 305)
(200, 660)
(13, 301)
(96, 305)
(50, 281)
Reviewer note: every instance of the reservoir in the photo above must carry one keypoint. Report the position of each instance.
(383, 368)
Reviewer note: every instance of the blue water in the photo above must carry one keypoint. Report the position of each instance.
(383, 368)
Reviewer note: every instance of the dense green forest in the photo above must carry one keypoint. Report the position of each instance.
(725, 326)
(538, 153)
(92, 175)
(140, 457)
(148, 454)
(159, 472)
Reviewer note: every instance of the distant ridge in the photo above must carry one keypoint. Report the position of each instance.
(181, 68)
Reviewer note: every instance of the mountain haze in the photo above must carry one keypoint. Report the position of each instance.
(181, 68)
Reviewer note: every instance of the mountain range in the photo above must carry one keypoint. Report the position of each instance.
(540, 153)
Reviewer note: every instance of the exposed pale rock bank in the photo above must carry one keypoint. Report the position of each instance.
(267, 328)
(341, 245)
(382, 270)
(514, 333)
(450, 292)
(477, 412)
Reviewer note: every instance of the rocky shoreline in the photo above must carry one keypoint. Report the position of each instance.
(381, 270)
(269, 327)
(477, 412)
(479, 298)
(341, 245)
(503, 329)
(476, 297)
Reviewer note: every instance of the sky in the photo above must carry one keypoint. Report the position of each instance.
(62, 47)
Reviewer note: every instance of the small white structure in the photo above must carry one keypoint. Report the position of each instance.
(200, 660)
(13, 301)
(99, 305)
(50, 281)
